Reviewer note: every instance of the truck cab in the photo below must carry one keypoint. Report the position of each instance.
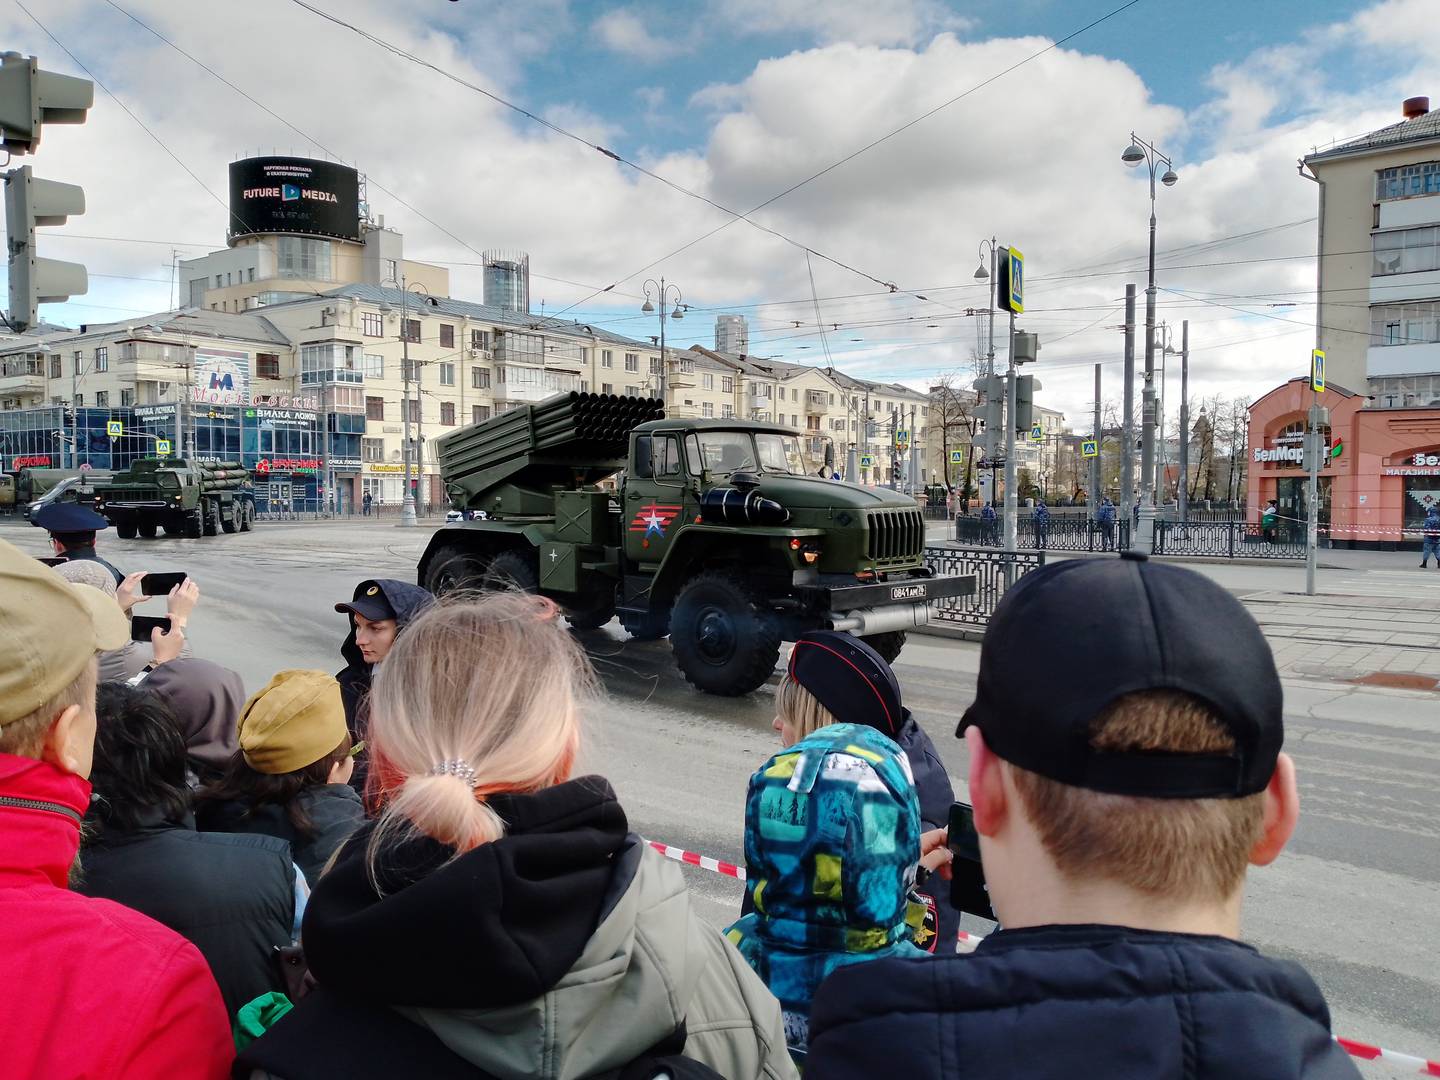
(714, 534)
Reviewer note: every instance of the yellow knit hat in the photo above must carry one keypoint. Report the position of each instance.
(295, 721)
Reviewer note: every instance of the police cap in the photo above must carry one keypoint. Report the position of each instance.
(69, 518)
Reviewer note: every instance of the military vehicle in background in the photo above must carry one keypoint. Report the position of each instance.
(713, 534)
(189, 498)
(7, 493)
(78, 487)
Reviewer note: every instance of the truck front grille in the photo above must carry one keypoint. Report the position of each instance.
(894, 536)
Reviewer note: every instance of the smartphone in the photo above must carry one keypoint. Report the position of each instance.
(160, 584)
(141, 625)
(967, 876)
(51, 561)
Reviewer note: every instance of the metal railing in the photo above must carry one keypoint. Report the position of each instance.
(1228, 540)
(1060, 534)
(994, 572)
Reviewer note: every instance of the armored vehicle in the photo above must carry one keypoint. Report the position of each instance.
(184, 497)
(713, 533)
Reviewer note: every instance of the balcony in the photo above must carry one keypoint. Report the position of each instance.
(817, 403)
(523, 384)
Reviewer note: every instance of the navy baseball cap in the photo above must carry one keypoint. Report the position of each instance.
(850, 679)
(1103, 629)
(370, 602)
(69, 518)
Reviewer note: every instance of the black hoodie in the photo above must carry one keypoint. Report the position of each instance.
(406, 601)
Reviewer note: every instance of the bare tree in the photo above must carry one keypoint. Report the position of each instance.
(952, 414)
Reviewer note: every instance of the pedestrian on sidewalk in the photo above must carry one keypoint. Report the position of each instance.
(1431, 544)
(365, 503)
(989, 534)
(1268, 521)
(1041, 514)
(1105, 518)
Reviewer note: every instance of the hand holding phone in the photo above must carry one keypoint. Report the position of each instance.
(143, 626)
(160, 584)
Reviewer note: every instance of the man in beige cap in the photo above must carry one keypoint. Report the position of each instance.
(97, 989)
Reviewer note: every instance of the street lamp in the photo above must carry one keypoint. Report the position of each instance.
(662, 293)
(1141, 152)
(407, 504)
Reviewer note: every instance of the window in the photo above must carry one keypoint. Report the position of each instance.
(727, 384)
(655, 368)
(102, 399)
(55, 366)
(707, 408)
(447, 413)
(372, 449)
(219, 281)
(794, 420)
(374, 408)
(250, 272)
(584, 386)
(1405, 251)
(687, 366)
(607, 388)
(330, 362)
(479, 378)
(632, 361)
(302, 257)
(480, 339)
(1405, 324)
(102, 359)
(727, 411)
(832, 399)
(479, 413)
(127, 398)
(77, 361)
(267, 365)
(392, 270)
(410, 370)
(447, 336)
(413, 408)
(372, 324)
(374, 365)
(707, 381)
(632, 391)
(79, 401)
(447, 374)
(607, 358)
(1407, 181)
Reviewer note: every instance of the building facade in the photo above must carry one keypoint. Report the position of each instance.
(732, 334)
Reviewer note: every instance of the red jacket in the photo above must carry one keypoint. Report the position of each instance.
(92, 989)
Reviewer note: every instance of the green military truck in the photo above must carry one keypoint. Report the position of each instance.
(185, 498)
(713, 533)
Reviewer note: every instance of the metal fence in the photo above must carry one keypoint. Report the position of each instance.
(1227, 540)
(1061, 534)
(994, 572)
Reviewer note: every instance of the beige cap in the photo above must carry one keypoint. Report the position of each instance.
(296, 720)
(49, 630)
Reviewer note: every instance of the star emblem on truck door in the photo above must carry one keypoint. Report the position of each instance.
(653, 520)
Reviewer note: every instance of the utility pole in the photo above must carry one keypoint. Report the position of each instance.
(407, 502)
(1127, 457)
(1314, 448)
(1183, 492)
(1011, 505)
(1099, 444)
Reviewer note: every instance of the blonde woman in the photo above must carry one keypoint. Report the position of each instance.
(499, 918)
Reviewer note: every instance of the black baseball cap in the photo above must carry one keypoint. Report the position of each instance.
(370, 602)
(1102, 629)
(850, 679)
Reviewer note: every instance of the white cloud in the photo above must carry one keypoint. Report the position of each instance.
(627, 32)
(867, 22)
(1032, 159)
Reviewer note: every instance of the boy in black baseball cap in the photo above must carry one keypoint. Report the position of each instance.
(1119, 800)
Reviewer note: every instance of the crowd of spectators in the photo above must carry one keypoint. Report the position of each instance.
(400, 871)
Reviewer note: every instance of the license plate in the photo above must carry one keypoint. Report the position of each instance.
(907, 592)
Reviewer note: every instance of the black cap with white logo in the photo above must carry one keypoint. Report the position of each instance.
(1070, 639)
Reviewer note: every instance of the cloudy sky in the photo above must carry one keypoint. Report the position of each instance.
(734, 102)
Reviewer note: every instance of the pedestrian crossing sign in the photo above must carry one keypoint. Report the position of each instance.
(114, 428)
(1317, 371)
(162, 447)
(902, 439)
(1089, 448)
(867, 461)
(1037, 433)
(957, 457)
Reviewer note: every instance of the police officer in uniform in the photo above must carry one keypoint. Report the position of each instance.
(72, 530)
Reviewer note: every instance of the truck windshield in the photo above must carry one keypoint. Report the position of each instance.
(779, 453)
(726, 451)
(167, 479)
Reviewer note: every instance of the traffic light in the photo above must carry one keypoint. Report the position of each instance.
(31, 98)
(31, 203)
(1024, 402)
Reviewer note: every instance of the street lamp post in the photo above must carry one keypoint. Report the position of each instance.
(662, 291)
(407, 504)
(991, 275)
(1136, 153)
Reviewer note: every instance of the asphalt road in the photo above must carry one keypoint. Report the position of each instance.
(1355, 898)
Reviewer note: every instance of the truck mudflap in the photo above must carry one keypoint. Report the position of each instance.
(838, 599)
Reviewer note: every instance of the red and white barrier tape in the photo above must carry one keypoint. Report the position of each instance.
(1422, 1066)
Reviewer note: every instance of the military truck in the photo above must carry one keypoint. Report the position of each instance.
(184, 497)
(714, 533)
(76, 488)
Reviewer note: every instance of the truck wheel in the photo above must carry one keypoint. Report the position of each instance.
(511, 570)
(212, 520)
(126, 530)
(194, 525)
(148, 529)
(246, 513)
(649, 627)
(594, 614)
(229, 524)
(456, 572)
(887, 645)
(726, 640)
